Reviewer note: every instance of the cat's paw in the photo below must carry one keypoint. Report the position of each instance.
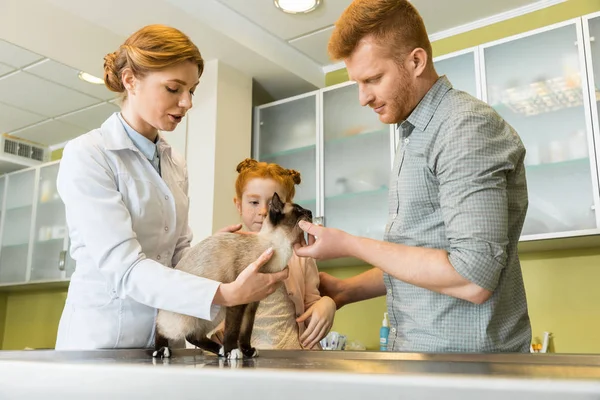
(222, 352)
(235, 354)
(163, 352)
(250, 352)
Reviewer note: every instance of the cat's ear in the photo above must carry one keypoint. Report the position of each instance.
(276, 210)
(276, 203)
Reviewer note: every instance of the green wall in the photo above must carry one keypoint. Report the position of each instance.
(32, 319)
(562, 286)
(2, 317)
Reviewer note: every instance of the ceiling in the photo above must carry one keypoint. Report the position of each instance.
(44, 101)
(41, 98)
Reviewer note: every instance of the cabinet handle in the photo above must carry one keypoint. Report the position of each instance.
(62, 260)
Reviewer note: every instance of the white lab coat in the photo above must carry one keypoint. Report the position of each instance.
(128, 228)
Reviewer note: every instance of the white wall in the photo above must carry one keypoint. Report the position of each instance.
(219, 133)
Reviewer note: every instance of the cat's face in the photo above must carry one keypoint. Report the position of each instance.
(285, 216)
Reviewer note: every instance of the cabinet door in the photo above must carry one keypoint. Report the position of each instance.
(16, 232)
(286, 134)
(2, 191)
(50, 228)
(462, 71)
(357, 162)
(537, 83)
(592, 42)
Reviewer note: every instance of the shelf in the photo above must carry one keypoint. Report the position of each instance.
(352, 195)
(540, 97)
(350, 138)
(306, 202)
(56, 201)
(11, 163)
(585, 239)
(48, 241)
(287, 152)
(19, 207)
(576, 161)
(4, 246)
(34, 285)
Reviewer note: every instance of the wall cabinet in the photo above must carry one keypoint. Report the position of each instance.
(342, 151)
(34, 237)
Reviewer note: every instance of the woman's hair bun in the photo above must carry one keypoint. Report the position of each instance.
(112, 78)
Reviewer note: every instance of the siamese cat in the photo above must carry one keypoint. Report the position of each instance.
(222, 257)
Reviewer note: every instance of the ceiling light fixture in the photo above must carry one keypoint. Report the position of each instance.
(297, 6)
(84, 76)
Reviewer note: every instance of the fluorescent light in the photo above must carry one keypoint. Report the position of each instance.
(84, 76)
(297, 6)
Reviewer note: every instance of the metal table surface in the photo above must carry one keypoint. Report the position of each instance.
(297, 374)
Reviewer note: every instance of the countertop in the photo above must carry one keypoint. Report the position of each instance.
(191, 374)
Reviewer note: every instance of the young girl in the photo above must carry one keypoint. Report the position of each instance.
(295, 316)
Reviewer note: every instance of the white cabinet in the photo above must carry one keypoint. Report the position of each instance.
(537, 82)
(356, 163)
(286, 134)
(34, 235)
(342, 150)
(462, 69)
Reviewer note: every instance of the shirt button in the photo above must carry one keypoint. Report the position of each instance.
(394, 215)
(406, 140)
(166, 228)
(166, 197)
(290, 293)
(393, 330)
(158, 257)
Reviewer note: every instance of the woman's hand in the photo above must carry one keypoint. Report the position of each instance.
(230, 228)
(250, 285)
(235, 229)
(320, 319)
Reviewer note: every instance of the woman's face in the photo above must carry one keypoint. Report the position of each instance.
(160, 99)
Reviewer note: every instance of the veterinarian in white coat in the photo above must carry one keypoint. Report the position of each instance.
(125, 192)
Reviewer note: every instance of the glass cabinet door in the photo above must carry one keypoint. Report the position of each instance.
(2, 190)
(592, 41)
(461, 71)
(287, 135)
(16, 231)
(50, 229)
(357, 161)
(536, 83)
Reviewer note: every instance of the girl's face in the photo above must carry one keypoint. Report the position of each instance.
(254, 203)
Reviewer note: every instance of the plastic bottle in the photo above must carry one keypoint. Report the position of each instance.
(383, 333)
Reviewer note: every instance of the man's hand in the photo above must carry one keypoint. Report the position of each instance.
(323, 243)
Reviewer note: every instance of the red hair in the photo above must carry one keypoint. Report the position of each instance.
(395, 24)
(249, 169)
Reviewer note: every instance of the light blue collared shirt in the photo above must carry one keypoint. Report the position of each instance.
(143, 144)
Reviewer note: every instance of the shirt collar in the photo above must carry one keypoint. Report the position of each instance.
(422, 114)
(145, 145)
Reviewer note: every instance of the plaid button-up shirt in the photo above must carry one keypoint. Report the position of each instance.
(458, 184)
